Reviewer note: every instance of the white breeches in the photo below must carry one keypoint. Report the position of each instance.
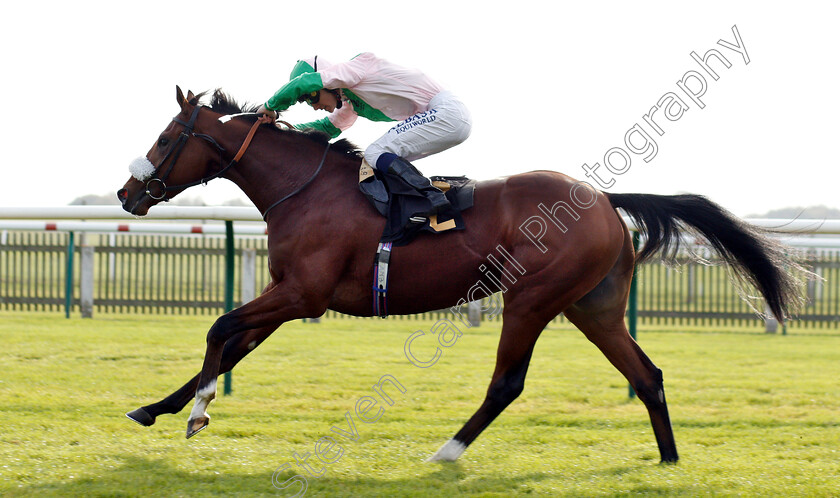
(446, 124)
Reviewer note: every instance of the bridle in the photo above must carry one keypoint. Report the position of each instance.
(175, 152)
(188, 131)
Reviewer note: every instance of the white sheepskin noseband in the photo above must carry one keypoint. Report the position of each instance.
(141, 168)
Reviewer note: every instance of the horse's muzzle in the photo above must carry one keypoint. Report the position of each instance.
(125, 200)
(122, 196)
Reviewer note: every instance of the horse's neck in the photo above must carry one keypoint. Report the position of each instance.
(271, 171)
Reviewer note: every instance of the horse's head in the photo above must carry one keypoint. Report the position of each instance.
(180, 158)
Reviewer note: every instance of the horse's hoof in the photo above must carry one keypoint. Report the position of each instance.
(141, 416)
(195, 425)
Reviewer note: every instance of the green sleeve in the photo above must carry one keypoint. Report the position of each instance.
(288, 95)
(324, 125)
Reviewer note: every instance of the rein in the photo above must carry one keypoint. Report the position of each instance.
(299, 189)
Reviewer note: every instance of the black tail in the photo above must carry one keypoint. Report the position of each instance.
(754, 257)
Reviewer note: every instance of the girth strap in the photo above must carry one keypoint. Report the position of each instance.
(380, 279)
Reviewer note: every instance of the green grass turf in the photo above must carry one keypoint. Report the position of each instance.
(753, 414)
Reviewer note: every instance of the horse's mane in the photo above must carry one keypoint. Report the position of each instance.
(223, 103)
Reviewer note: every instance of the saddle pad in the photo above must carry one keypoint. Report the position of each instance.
(402, 205)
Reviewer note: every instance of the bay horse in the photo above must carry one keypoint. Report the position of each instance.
(567, 251)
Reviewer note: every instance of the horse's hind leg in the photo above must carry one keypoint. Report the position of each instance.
(519, 334)
(612, 338)
(600, 316)
(235, 349)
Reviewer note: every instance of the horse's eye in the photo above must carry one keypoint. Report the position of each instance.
(163, 142)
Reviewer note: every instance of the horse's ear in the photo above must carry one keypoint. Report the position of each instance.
(190, 99)
(179, 95)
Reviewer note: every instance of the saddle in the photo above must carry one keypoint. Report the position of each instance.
(404, 207)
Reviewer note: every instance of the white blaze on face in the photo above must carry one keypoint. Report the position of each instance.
(141, 168)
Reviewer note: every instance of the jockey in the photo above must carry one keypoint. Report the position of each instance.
(432, 119)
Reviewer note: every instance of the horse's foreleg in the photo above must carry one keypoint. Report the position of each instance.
(512, 358)
(270, 309)
(236, 348)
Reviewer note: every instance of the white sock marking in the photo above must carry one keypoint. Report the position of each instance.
(449, 452)
(202, 400)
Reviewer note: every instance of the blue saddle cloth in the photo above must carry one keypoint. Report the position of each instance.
(403, 206)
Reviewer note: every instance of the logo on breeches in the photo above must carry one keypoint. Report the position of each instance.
(418, 119)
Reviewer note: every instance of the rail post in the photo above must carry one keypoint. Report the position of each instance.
(68, 278)
(86, 283)
(248, 268)
(474, 313)
(229, 252)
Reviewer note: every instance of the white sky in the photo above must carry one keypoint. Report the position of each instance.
(88, 86)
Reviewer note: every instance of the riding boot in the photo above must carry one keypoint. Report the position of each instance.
(408, 173)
